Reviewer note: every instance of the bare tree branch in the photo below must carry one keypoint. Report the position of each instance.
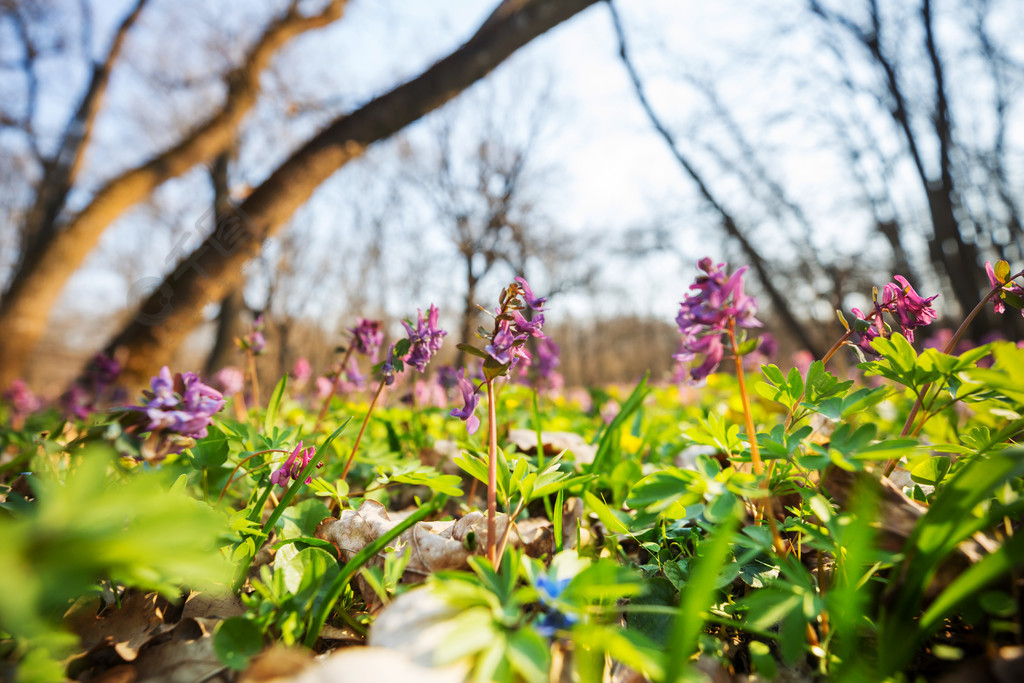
(60, 171)
(176, 306)
(760, 266)
(43, 273)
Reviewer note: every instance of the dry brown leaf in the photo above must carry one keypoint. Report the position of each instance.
(184, 655)
(279, 663)
(211, 605)
(127, 629)
(433, 546)
(123, 673)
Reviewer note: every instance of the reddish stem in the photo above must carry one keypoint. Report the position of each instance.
(768, 507)
(366, 421)
(492, 472)
(253, 379)
(334, 388)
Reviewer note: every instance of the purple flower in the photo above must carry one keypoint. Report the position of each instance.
(469, 397)
(76, 403)
(429, 393)
(93, 389)
(181, 405)
(535, 303)
(547, 359)
(502, 343)
(1010, 287)
(705, 315)
(323, 387)
(387, 368)
(866, 330)
(425, 340)
(356, 381)
(254, 341)
(367, 337)
(910, 309)
(293, 466)
(448, 377)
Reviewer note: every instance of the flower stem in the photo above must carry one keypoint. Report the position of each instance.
(492, 472)
(334, 388)
(366, 421)
(768, 506)
(253, 379)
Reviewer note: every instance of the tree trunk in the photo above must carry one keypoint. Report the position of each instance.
(229, 319)
(215, 267)
(230, 326)
(42, 275)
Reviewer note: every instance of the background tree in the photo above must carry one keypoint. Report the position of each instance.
(50, 255)
(902, 110)
(481, 176)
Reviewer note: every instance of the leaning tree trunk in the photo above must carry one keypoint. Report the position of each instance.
(41, 276)
(229, 318)
(215, 267)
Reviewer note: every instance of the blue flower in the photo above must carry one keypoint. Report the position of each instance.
(553, 619)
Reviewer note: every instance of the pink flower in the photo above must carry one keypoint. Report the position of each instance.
(293, 466)
(230, 380)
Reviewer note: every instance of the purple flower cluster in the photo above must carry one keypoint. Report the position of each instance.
(900, 301)
(367, 337)
(512, 329)
(180, 405)
(705, 315)
(95, 387)
(293, 466)
(424, 340)
(507, 346)
(1008, 289)
(254, 341)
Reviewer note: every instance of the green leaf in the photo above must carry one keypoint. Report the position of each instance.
(610, 436)
(472, 351)
(795, 382)
(211, 452)
(302, 518)
(931, 471)
(697, 598)
(274, 405)
(658, 491)
(968, 584)
(236, 640)
(607, 517)
(473, 465)
(529, 655)
(763, 660)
